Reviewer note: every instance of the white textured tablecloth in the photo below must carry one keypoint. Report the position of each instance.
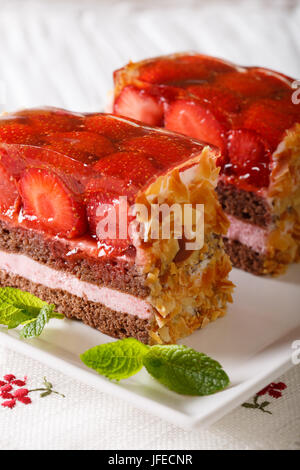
(62, 53)
(89, 419)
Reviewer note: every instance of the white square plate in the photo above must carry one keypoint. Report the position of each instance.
(253, 343)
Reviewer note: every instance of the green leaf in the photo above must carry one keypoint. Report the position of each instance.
(47, 384)
(185, 370)
(22, 308)
(249, 405)
(264, 404)
(117, 360)
(21, 300)
(35, 326)
(11, 316)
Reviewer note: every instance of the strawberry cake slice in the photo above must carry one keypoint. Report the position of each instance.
(77, 227)
(248, 113)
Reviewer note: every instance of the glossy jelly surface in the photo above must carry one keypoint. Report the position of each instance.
(244, 111)
(57, 168)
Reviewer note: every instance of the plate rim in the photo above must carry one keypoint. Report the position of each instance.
(235, 396)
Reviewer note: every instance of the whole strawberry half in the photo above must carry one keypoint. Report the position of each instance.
(82, 146)
(182, 68)
(131, 167)
(218, 97)
(109, 219)
(18, 131)
(50, 205)
(253, 82)
(165, 150)
(270, 119)
(9, 195)
(48, 120)
(249, 157)
(137, 104)
(197, 120)
(112, 127)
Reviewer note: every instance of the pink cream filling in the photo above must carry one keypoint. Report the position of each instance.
(33, 271)
(248, 234)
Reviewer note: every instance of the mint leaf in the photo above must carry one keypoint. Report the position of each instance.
(185, 370)
(21, 300)
(35, 326)
(22, 308)
(117, 360)
(11, 316)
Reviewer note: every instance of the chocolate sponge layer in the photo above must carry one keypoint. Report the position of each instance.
(117, 273)
(245, 205)
(244, 257)
(110, 322)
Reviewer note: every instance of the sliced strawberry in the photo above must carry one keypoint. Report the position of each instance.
(82, 146)
(131, 167)
(166, 150)
(196, 120)
(245, 146)
(218, 97)
(138, 104)
(52, 120)
(50, 205)
(269, 119)
(249, 157)
(9, 196)
(109, 218)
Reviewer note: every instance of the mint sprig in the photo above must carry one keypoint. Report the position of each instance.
(179, 368)
(22, 308)
(118, 360)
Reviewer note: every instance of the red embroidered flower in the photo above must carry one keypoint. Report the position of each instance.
(273, 389)
(19, 383)
(6, 395)
(20, 393)
(26, 400)
(6, 388)
(9, 403)
(9, 377)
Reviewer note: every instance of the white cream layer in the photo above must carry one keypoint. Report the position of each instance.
(248, 234)
(33, 271)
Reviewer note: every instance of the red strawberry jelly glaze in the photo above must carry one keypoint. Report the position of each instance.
(234, 108)
(57, 167)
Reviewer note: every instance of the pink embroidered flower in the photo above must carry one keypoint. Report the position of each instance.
(10, 394)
